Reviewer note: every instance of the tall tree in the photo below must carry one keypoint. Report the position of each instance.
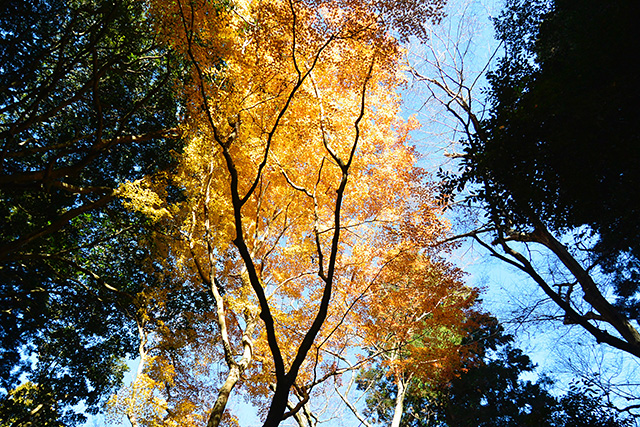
(86, 103)
(300, 184)
(554, 163)
(414, 323)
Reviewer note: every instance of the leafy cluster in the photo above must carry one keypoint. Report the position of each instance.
(488, 391)
(561, 146)
(86, 103)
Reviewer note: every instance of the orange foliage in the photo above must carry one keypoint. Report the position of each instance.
(416, 316)
(304, 201)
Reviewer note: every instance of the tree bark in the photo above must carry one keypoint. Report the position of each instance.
(223, 397)
(399, 409)
(278, 403)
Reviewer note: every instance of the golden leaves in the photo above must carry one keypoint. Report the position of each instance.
(417, 314)
(141, 401)
(288, 101)
(140, 195)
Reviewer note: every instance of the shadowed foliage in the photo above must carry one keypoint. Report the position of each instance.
(86, 103)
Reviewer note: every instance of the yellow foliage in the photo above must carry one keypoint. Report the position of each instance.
(141, 401)
(139, 196)
(293, 141)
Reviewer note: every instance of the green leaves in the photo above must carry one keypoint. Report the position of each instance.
(86, 102)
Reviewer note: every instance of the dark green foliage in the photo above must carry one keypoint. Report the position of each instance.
(491, 392)
(580, 408)
(380, 392)
(562, 143)
(86, 102)
(566, 128)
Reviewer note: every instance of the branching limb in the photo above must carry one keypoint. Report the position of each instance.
(519, 261)
(55, 225)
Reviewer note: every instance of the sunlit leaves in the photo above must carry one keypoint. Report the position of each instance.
(299, 180)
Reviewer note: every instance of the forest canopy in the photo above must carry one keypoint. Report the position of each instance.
(227, 195)
(555, 162)
(87, 102)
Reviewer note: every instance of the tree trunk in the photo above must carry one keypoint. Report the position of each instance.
(278, 404)
(223, 397)
(399, 409)
(235, 371)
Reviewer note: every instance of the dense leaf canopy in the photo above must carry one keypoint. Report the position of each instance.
(86, 103)
(562, 142)
(561, 146)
